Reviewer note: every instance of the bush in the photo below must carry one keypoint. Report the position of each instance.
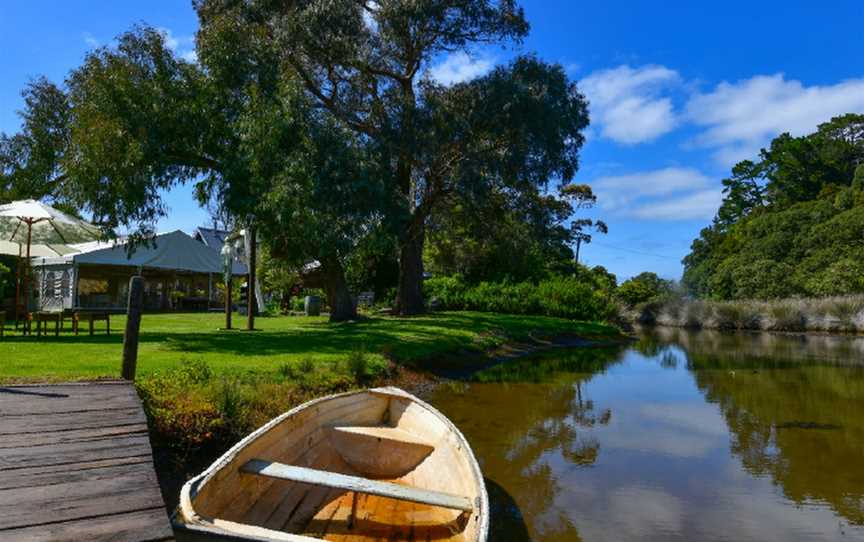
(5, 279)
(177, 407)
(644, 288)
(564, 297)
(188, 407)
(358, 365)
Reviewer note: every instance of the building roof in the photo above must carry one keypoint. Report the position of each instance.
(175, 250)
(211, 237)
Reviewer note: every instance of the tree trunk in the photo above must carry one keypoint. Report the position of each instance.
(409, 295)
(342, 306)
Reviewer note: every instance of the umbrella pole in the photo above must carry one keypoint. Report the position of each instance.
(27, 273)
(18, 286)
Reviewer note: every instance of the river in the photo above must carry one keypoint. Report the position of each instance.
(679, 436)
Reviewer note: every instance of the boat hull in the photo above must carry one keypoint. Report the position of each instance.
(336, 469)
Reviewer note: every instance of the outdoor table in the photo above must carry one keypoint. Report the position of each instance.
(90, 317)
(42, 319)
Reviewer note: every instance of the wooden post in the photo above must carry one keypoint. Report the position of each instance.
(250, 284)
(133, 325)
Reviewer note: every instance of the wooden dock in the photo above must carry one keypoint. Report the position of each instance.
(76, 464)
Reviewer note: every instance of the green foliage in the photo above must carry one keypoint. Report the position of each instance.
(643, 288)
(790, 224)
(31, 160)
(507, 132)
(6, 279)
(178, 414)
(358, 365)
(563, 297)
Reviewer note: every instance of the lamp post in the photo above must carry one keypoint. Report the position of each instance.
(228, 274)
(250, 283)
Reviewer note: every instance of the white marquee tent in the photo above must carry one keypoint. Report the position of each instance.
(178, 271)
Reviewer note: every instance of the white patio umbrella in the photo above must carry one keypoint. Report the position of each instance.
(29, 222)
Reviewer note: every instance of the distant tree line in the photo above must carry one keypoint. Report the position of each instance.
(316, 123)
(791, 222)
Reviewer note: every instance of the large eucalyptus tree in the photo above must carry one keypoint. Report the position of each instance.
(366, 63)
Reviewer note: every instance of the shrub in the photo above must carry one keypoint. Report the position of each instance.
(644, 288)
(306, 366)
(786, 315)
(178, 409)
(358, 365)
(289, 371)
(564, 297)
(5, 279)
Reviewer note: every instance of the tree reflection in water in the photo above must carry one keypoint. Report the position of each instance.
(794, 414)
(545, 412)
(715, 436)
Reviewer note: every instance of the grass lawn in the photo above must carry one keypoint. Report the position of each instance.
(166, 339)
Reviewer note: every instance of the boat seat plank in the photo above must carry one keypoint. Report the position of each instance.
(359, 485)
(379, 433)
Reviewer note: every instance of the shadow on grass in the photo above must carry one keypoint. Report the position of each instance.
(402, 338)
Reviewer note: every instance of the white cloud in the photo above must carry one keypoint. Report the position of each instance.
(459, 67)
(171, 41)
(672, 193)
(627, 103)
(699, 205)
(642, 512)
(182, 46)
(90, 40)
(739, 118)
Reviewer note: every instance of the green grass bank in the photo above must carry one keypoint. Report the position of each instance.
(204, 388)
(277, 343)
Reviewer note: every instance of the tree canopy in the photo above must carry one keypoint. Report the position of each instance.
(791, 223)
(318, 123)
(365, 62)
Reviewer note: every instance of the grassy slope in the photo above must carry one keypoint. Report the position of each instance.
(168, 338)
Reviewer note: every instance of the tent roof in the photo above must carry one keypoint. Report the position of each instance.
(175, 250)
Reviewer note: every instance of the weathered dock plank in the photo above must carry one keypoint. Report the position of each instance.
(76, 464)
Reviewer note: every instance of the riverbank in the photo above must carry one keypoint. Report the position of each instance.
(204, 388)
(840, 314)
(279, 348)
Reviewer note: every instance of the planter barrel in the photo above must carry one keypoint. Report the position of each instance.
(312, 305)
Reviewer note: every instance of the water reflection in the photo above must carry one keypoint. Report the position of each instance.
(681, 436)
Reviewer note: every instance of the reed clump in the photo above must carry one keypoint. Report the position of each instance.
(835, 314)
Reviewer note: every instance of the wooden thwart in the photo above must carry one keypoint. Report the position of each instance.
(356, 484)
(377, 433)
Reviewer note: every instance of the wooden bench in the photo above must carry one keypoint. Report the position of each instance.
(357, 485)
(43, 317)
(90, 317)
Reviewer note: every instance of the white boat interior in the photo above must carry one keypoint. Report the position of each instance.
(369, 465)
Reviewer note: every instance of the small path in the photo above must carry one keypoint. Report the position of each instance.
(76, 464)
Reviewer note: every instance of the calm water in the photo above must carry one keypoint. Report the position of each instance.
(681, 436)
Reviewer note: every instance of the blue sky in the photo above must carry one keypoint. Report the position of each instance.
(679, 91)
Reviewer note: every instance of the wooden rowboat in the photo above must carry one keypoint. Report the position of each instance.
(377, 464)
